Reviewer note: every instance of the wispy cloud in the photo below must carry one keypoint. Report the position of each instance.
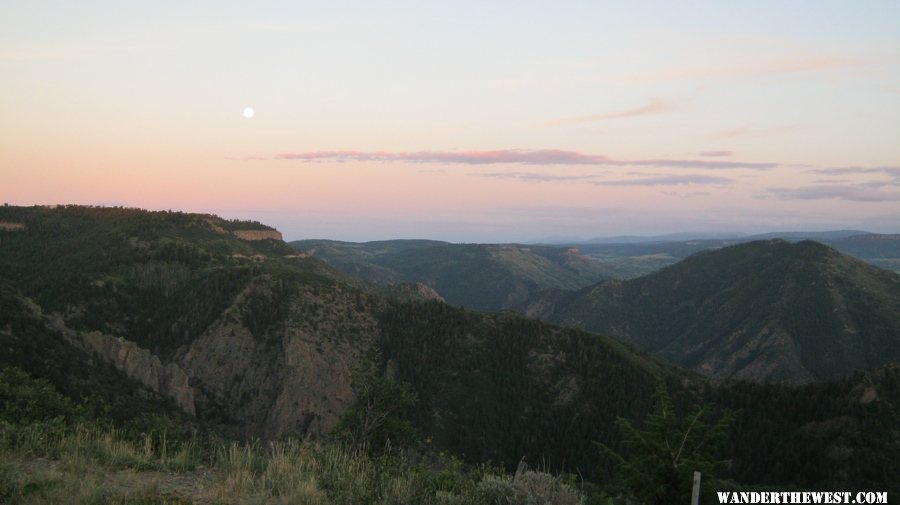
(875, 184)
(595, 179)
(785, 65)
(733, 68)
(709, 164)
(533, 176)
(889, 170)
(851, 193)
(716, 154)
(516, 156)
(668, 180)
(653, 106)
(520, 156)
(892, 172)
(686, 194)
(742, 131)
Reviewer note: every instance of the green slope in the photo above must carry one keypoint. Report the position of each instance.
(158, 277)
(628, 260)
(250, 324)
(501, 387)
(477, 276)
(121, 301)
(766, 310)
(266, 338)
(29, 341)
(844, 432)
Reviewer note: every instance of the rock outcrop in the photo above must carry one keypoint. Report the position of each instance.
(8, 226)
(289, 379)
(143, 366)
(427, 292)
(257, 234)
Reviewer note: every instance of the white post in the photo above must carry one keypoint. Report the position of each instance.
(695, 494)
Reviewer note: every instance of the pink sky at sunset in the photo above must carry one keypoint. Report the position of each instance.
(466, 122)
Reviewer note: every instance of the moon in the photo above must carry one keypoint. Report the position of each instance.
(248, 112)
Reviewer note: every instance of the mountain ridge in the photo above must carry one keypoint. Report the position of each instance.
(760, 311)
(269, 339)
(477, 276)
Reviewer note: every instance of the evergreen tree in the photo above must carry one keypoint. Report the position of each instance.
(376, 418)
(664, 454)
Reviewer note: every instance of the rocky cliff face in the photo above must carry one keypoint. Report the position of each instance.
(167, 379)
(258, 234)
(9, 226)
(141, 365)
(291, 379)
(426, 292)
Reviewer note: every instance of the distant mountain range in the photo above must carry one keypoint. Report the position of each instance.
(501, 276)
(633, 259)
(477, 276)
(160, 312)
(226, 328)
(764, 311)
(686, 236)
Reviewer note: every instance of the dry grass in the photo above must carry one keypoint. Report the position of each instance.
(96, 466)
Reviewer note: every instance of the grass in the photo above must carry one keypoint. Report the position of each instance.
(95, 465)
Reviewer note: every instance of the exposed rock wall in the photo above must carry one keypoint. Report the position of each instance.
(143, 366)
(427, 292)
(291, 379)
(8, 226)
(257, 234)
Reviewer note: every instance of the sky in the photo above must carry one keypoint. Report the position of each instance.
(460, 121)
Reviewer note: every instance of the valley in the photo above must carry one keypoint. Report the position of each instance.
(173, 316)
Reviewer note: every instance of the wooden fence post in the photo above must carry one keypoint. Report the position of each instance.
(695, 494)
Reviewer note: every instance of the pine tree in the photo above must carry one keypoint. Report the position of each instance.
(664, 454)
(376, 419)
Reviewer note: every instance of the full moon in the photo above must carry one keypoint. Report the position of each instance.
(248, 112)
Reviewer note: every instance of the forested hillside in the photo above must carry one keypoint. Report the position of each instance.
(249, 336)
(500, 387)
(173, 314)
(476, 276)
(762, 311)
(234, 331)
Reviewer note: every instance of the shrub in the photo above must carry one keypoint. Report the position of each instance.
(528, 488)
(376, 419)
(664, 454)
(25, 400)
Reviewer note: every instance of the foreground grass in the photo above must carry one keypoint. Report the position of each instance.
(54, 451)
(94, 465)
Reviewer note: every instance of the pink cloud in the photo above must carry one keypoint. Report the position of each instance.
(515, 156)
(654, 106)
(716, 154)
(786, 65)
(893, 171)
(710, 164)
(668, 180)
(657, 180)
(742, 131)
(686, 194)
(534, 176)
(522, 156)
